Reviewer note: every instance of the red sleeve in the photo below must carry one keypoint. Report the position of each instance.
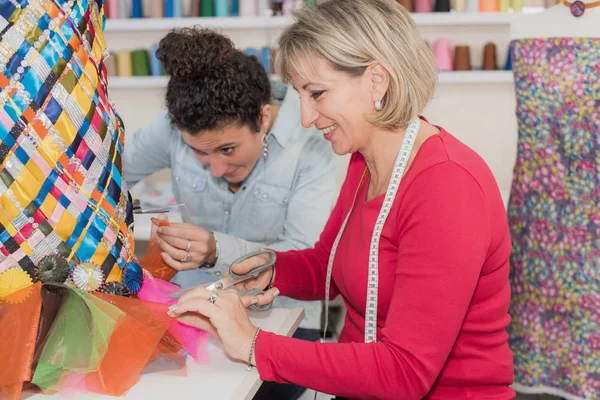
(444, 237)
(301, 274)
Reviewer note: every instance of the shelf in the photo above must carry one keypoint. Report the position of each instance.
(137, 82)
(475, 77)
(445, 78)
(422, 19)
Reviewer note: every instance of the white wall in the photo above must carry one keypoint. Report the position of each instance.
(481, 115)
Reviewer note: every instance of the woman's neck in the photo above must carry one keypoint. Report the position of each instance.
(382, 150)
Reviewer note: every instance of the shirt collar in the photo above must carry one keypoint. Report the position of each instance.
(288, 118)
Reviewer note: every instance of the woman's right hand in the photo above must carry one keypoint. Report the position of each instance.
(259, 283)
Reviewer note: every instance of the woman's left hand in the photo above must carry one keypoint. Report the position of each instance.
(225, 318)
(177, 239)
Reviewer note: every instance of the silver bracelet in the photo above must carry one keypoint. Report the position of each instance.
(249, 367)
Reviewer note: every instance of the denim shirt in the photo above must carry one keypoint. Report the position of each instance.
(283, 204)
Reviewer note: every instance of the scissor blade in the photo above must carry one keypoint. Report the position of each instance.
(181, 292)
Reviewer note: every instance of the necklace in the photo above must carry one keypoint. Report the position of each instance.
(578, 7)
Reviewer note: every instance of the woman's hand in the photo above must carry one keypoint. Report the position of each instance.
(261, 281)
(177, 239)
(225, 318)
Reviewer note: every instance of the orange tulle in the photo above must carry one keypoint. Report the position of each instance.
(152, 261)
(17, 344)
(133, 345)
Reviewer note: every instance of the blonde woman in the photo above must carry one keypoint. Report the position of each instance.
(417, 245)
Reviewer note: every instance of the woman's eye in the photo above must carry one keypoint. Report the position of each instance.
(227, 151)
(317, 94)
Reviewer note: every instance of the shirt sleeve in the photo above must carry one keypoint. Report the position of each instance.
(148, 150)
(444, 237)
(308, 208)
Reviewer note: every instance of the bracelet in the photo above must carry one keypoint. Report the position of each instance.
(217, 253)
(249, 367)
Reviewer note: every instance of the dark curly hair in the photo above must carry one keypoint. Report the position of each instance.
(212, 83)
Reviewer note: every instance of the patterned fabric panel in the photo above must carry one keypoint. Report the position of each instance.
(554, 217)
(61, 186)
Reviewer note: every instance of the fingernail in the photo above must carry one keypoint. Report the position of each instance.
(254, 301)
(163, 256)
(172, 309)
(276, 292)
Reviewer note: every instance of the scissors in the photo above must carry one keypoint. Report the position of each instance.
(137, 208)
(232, 279)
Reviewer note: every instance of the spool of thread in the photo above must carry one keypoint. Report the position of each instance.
(264, 8)
(265, 58)
(248, 8)
(250, 51)
(168, 11)
(177, 8)
(195, 8)
(408, 4)
(155, 66)
(517, 5)
(460, 5)
(124, 9)
(462, 58)
(124, 63)
(489, 57)
(221, 8)
(208, 8)
(508, 65)
(110, 63)
(136, 9)
(422, 6)
(442, 49)
(274, 60)
(288, 7)
(235, 8)
(489, 5)
(472, 5)
(113, 9)
(157, 10)
(147, 8)
(141, 63)
(504, 5)
(442, 5)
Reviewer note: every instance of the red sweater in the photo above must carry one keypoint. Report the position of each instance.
(443, 288)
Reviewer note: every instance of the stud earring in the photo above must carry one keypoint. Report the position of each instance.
(378, 105)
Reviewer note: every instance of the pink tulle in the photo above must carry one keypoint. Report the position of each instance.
(193, 340)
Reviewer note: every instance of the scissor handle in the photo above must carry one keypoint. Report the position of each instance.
(256, 271)
(255, 307)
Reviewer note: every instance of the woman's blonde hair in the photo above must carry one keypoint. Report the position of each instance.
(353, 34)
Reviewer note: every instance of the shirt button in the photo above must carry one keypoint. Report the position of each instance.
(177, 179)
(265, 196)
(217, 273)
(226, 212)
(195, 186)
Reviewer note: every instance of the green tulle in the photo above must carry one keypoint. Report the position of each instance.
(78, 339)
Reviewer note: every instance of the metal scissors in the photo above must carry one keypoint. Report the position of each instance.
(137, 208)
(232, 279)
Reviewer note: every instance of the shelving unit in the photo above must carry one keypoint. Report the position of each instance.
(422, 19)
(445, 78)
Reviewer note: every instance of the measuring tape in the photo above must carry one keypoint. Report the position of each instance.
(408, 143)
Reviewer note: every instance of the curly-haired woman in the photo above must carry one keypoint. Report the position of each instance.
(250, 175)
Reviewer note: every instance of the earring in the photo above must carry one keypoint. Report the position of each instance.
(265, 142)
(378, 105)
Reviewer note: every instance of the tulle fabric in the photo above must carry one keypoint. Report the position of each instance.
(66, 340)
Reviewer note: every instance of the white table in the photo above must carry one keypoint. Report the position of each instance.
(221, 378)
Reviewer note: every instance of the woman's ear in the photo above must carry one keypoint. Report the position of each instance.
(265, 118)
(379, 81)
